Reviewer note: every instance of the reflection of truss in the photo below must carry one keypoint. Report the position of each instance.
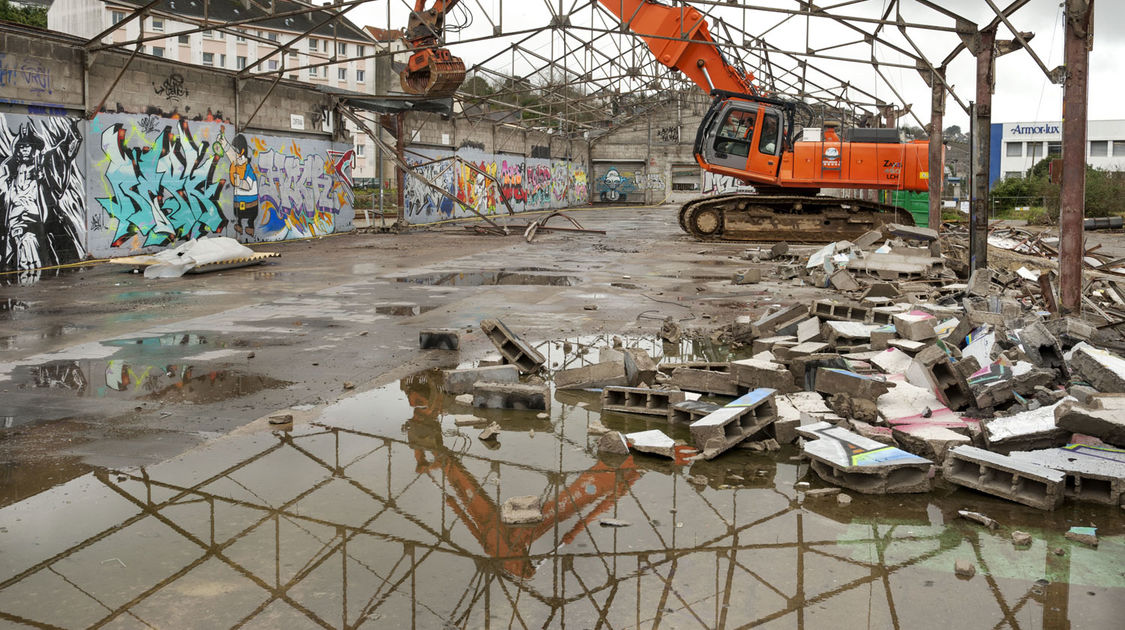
(342, 528)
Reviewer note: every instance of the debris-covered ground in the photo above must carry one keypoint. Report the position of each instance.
(631, 430)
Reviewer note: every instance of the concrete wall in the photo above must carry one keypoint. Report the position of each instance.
(526, 183)
(159, 164)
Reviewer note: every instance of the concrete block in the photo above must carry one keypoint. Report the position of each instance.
(1026, 431)
(846, 333)
(439, 339)
(510, 396)
(521, 510)
(883, 435)
(809, 330)
(1041, 347)
(911, 232)
(881, 336)
(1104, 370)
(807, 348)
(846, 459)
(999, 475)
(994, 385)
(1070, 331)
(915, 325)
(826, 309)
(591, 376)
(891, 266)
(766, 344)
(491, 360)
(842, 280)
(709, 381)
(747, 276)
(892, 361)
(689, 411)
(928, 440)
(1093, 473)
(653, 441)
(869, 239)
(1084, 535)
(770, 323)
(1106, 424)
(651, 402)
(639, 367)
(515, 350)
(735, 422)
(613, 443)
(951, 388)
(462, 381)
(980, 282)
(907, 346)
(837, 381)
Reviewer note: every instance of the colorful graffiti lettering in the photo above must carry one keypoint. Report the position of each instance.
(423, 201)
(42, 192)
(299, 196)
(162, 190)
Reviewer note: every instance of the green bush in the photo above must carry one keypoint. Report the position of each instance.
(1105, 193)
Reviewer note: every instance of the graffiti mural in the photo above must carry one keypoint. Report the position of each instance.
(42, 192)
(159, 181)
(617, 183)
(524, 183)
(717, 184)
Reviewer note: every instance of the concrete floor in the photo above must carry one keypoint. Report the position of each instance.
(143, 487)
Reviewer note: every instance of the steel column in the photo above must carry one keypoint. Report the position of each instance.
(937, 154)
(982, 131)
(1072, 196)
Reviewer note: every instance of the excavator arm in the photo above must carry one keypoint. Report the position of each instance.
(679, 38)
(432, 71)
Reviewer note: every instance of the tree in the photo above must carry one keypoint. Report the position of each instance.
(32, 16)
(953, 133)
(1105, 191)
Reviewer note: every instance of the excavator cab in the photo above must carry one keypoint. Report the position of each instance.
(742, 135)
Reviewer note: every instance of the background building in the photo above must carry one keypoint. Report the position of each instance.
(1018, 146)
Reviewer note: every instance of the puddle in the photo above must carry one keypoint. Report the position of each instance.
(403, 310)
(489, 278)
(178, 339)
(384, 513)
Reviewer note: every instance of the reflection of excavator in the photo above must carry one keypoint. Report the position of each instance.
(745, 135)
(597, 488)
(432, 71)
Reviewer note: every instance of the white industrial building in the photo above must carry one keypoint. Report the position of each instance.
(1017, 146)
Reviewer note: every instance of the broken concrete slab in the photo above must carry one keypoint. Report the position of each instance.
(915, 325)
(882, 336)
(838, 311)
(754, 373)
(1106, 424)
(1102, 369)
(639, 367)
(733, 423)
(439, 339)
(521, 511)
(892, 361)
(908, 346)
(839, 333)
(514, 350)
(490, 432)
(1084, 535)
(868, 239)
(462, 381)
(906, 400)
(1041, 347)
(842, 280)
(653, 441)
(999, 475)
(911, 232)
(511, 395)
(778, 320)
(890, 266)
(591, 376)
(613, 443)
(463, 420)
(1093, 473)
(1026, 431)
(766, 344)
(711, 379)
(809, 330)
(980, 282)
(747, 276)
(838, 381)
(846, 459)
(931, 368)
(689, 411)
(807, 348)
(641, 400)
(928, 440)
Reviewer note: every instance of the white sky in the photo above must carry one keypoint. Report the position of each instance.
(1022, 93)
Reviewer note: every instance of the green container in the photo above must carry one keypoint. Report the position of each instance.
(916, 203)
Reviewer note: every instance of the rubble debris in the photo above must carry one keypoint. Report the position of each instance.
(642, 400)
(462, 381)
(670, 331)
(439, 339)
(511, 396)
(776, 322)
(842, 280)
(464, 399)
(1025, 431)
(1094, 473)
(1103, 370)
(754, 373)
(689, 411)
(613, 522)
(521, 511)
(977, 517)
(915, 325)
(1021, 539)
(1084, 535)
(733, 423)
(462, 420)
(592, 376)
(639, 367)
(1103, 418)
(490, 432)
(514, 350)
(747, 276)
(652, 441)
(964, 568)
(596, 428)
(928, 440)
(837, 381)
(613, 443)
(931, 368)
(843, 499)
(817, 493)
(846, 459)
(999, 475)
(707, 378)
(281, 418)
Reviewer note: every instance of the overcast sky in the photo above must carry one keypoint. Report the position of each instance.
(1022, 93)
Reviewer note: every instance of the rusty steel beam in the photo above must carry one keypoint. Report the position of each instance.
(982, 136)
(937, 147)
(1072, 196)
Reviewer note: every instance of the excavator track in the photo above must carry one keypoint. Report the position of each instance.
(773, 218)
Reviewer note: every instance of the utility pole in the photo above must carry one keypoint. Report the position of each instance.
(982, 130)
(1078, 40)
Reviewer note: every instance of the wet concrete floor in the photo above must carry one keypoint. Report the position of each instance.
(144, 488)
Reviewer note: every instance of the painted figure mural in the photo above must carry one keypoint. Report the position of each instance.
(244, 179)
(41, 193)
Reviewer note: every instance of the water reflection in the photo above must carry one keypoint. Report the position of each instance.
(385, 513)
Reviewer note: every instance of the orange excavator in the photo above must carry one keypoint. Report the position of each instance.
(752, 137)
(431, 71)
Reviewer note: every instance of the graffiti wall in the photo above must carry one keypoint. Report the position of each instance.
(622, 182)
(156, 182)
(42, 191)
(525, 183)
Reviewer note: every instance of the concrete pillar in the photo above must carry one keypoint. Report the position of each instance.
(937, 153)
(1072, 195)
(982, 135)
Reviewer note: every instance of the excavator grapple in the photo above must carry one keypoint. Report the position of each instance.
(432, 71)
